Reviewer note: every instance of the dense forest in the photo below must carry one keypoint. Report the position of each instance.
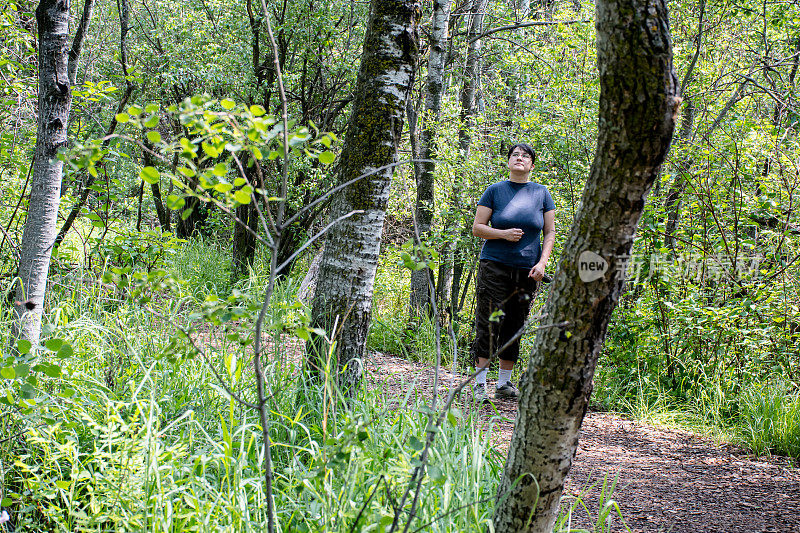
(218, 218)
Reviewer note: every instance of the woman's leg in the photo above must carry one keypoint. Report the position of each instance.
(493, 289)
(517, 308)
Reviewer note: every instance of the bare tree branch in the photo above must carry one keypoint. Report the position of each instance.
(77, 42)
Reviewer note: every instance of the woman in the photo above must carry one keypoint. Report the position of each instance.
(512, 216)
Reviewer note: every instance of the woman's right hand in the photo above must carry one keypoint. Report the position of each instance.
(513, 234)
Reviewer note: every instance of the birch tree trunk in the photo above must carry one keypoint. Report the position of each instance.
(638, 102)
(472, 74)
(347, 273)
(420, 298)
(55, 97)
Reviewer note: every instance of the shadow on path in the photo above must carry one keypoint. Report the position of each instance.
(668, 480)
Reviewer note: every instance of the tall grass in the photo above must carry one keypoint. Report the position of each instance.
(769, 419)
(170, 451)
(137, 434)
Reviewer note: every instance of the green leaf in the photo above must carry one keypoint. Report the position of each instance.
(223, 187)
(151, 122)
(326, 158)
(220, 169)
(385, 522)
(210, 150)
(154, 137)
(65, 485)
(150, 175)
(8, 372)
(228, 104)
(54, 344)
(22, 369)
(187, 213)
(151, 108)
(23, 346)
(53, 370)
(122, 118)
(65, 351)
(416, 443)
(241, 196)
(188, 172)
(175, 202)
(257, 110)
(435, 473)
(134, 111)
(496, 316)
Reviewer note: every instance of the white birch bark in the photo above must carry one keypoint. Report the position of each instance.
(424, 208)
(472, 74)
(344, 287)
(52, 18)
(638, 102)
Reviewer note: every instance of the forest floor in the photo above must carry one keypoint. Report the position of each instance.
(667, 479)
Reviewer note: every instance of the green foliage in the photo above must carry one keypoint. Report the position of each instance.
(118, 422)
(769, 419)
(145, 440)
(204, 266)
(142, 250)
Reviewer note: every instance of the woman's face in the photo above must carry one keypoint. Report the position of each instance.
(520, 160)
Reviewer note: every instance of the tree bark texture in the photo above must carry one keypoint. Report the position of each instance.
(421, 280)
(472, 74)
(78, 40)
(55, 98)
(638, 102)
(243, 252)
(344, 288)
(124, 13)
(162, 212)
(672, 203)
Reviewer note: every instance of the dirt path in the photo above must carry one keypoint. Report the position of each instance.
(668, 480)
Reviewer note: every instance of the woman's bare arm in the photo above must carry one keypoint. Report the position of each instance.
(549, 240)
(482, 229)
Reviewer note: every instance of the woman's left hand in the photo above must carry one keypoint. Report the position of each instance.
(537, 272)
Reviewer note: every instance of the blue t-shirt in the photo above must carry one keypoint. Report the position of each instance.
(516, 205)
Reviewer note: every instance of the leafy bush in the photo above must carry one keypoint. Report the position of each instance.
(769, 419)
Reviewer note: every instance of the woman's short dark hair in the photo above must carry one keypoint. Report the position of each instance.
(524, 147)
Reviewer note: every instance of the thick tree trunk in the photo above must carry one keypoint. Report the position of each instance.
(194, 222)
(140, 199)
(55, 98)
(638, 103)
(420, 299)
(344, 288)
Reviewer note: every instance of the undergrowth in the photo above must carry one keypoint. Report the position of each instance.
(135, 433)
